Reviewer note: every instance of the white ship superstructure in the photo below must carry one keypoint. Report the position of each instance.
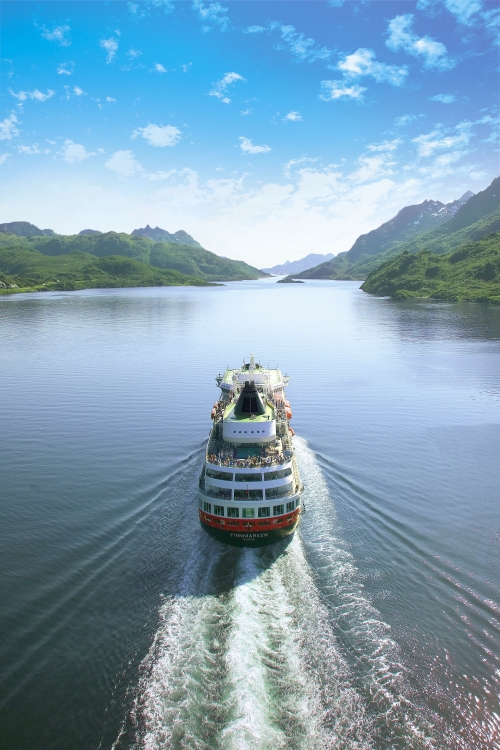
(249, 489)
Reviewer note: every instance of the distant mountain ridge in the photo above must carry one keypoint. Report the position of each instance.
(410, 221)
(161, 235)
(25, 229)
(296, 266)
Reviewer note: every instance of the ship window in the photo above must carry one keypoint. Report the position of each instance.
(207, 507)
(248, 477)
(270, 475)
(248, 512)
(278, 510)
(233, 512)
(264, 512)
(226, 476)
(248, 494)
(285, 489)
(219, 510)
(289, 506)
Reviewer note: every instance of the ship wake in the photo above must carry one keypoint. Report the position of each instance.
(276, 647)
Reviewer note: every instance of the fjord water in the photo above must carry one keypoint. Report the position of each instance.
(123, 625)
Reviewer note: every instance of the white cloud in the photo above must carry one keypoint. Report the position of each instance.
(185, 67)
(74, 152)
(302, 48)
(59, 34)
(110, 100)
(3, 158)
(385, 146)
(35, 95)
(465, 11)
(32, 150)
(401, 36)
(287, 168)
(363, 63)
(219, 87)
(124, 164)
(442, 139)
(333, 90)
(132, 54)
(246, 111)
(401, 122)
(159, 135)
(159, 176)
(211, 15)
(111, 47)
(8, 127)
(293, 116)
(254, 30)
(78, 91)
(66, 69)
(443, 98)
(142, 10)
(247, 146)
(158, 68)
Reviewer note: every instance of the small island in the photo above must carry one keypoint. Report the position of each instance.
(288, 280)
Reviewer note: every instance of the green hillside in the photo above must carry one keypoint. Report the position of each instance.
(187, 259)
(471, 272)
(479, 216)
(27, 270)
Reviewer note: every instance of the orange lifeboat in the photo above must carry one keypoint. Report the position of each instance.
(214, 412)
(288, 410)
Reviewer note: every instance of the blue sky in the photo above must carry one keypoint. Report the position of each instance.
(267, 130)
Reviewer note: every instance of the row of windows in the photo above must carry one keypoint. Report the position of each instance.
(269, 476)
(249, 494)
(278, 510)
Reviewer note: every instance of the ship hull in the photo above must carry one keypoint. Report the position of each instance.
(249, 538)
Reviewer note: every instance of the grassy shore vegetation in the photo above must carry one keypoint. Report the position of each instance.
(28, 270)
(187, 259)
(471, 272)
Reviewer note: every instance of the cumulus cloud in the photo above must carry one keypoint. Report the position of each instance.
(401, 122)
(443, 98)
(110, 100)
(293, 116)
(401, 36)
(248, 147)
(35, 95)
(219, 87)
(211, 15)
(75, 152)
(8, 128)
(302, 48)
(124, 164)
(142, 9)
(58, 34)
(78, 91)
(385, 146)
(66, 69)
(333, 90)
(158, 68)
(111, 47)
(254, 30)
(132, 54)
(159, 135)
(3, 158)
(363, 63)
(185, 67)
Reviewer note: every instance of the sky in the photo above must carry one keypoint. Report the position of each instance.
(266, 130)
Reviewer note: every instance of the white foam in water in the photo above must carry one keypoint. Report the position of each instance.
(260, 667)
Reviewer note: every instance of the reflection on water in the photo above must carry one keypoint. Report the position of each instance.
(124, 625)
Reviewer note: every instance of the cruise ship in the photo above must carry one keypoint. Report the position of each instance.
(249, 488)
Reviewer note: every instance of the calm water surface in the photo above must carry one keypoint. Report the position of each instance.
(124, 626)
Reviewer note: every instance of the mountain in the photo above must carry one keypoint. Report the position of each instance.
(24, 269)
(161, 235)
(187, 259)
(90, 231)
(411, 221)
(471, 272)
(296, 266)
(25, 229)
